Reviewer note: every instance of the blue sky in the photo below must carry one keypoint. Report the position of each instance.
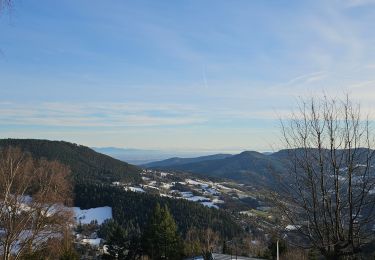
(187, 75)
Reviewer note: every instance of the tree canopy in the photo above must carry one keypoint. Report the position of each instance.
(161, 238)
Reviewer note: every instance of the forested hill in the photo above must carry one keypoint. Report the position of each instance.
(86, 164)
(93, 173)
(251, 167)
(246, 167)
(132, 208)
(180, 161)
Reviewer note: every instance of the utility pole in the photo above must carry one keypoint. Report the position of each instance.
(277, 250)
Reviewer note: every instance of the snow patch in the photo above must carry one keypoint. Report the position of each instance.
(100, 214)
(209, 204)
(92, 241)
(292, 227)
(134, 189)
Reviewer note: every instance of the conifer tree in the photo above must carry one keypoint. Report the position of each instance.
(161, 240)
(118, 242)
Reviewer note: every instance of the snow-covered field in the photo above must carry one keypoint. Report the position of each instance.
(92, 241)
(205, 192)
(187, 195)
(135, 189)
(209, 204)
(85, 216)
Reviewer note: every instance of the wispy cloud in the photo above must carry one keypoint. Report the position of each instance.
(304, 79)
(97, 114)
(357, 3)
(109, 114)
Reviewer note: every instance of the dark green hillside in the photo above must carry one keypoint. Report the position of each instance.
(251, 167)
(93, 172)
(86, 164)
(179, 161)
(246, 167)
(131, 208)
(288, 154)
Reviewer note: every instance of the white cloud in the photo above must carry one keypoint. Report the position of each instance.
(97, 114)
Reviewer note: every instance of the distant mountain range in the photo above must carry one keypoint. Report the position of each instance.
(249, 167)
(89, 165)
(144, 156)
(246, 167)
(181, 161)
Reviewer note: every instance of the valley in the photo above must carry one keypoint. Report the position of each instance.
(237, 199)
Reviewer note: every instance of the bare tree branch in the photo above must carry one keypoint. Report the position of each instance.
(328, 194)
(33, 195)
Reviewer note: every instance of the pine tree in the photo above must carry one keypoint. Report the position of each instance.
(118, 242)
(161, 240)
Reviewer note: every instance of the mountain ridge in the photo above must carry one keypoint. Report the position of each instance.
(182, 160)
(85, 163)
(246, 167)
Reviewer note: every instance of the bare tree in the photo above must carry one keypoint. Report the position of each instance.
(33, 195)
(210, 240)
(204, 242)
(5, 4)
(327, 197)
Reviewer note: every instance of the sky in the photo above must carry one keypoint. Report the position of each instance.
(198, 75)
